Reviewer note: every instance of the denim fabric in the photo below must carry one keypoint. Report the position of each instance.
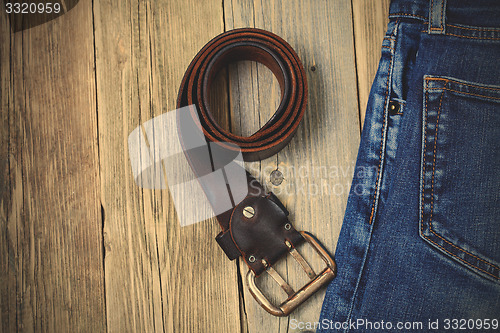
(422, 244)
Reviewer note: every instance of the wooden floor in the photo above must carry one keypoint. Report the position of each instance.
(82, 248)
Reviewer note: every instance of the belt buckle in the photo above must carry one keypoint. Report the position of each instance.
(295, 298)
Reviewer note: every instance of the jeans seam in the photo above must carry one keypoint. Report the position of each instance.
(384, 127)
(360, 275)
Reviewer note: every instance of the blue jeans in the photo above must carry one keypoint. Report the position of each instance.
(419, 248)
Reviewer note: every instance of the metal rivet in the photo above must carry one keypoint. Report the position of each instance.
(251, 259)
(276, 177)
(394, 107)
(248, 212)
(288, 226)
(313, 68)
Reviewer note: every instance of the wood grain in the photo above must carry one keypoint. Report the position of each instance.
(327, 139)
(50, 237)
(159, 276)
(82, 247)
(370, 19)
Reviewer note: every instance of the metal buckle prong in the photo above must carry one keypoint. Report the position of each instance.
(295, 298)
(278, 278)
(300, 259)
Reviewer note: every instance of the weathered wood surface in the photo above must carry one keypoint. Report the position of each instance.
(370, 22)
(82, 247)
(51, 263)
(159, 276)
(328, 137)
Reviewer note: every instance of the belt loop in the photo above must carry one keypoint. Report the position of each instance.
(437, 16)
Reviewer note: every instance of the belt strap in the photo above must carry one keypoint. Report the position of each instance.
(257, 228)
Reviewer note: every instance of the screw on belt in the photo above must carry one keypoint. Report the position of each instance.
(257, 228)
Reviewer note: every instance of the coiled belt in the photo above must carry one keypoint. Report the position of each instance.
(257, 228)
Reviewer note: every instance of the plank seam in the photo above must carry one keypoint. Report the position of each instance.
(102, 212)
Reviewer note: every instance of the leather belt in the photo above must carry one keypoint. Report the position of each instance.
(257, 228)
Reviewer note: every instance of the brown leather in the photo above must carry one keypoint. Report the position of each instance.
(263, 236)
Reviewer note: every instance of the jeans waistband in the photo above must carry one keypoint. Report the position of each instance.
(438, 13)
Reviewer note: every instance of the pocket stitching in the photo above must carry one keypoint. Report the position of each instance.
(469, 37)
(463, 92)
(472, 28)
(460, 83)
(462, 260)
(432, 188)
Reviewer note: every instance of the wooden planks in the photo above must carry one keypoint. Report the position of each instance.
(159, 276)
(327, 140)
(66, 264)
(50, 229)
(370, 22)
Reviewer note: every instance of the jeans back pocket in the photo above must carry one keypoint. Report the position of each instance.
(460, 172)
